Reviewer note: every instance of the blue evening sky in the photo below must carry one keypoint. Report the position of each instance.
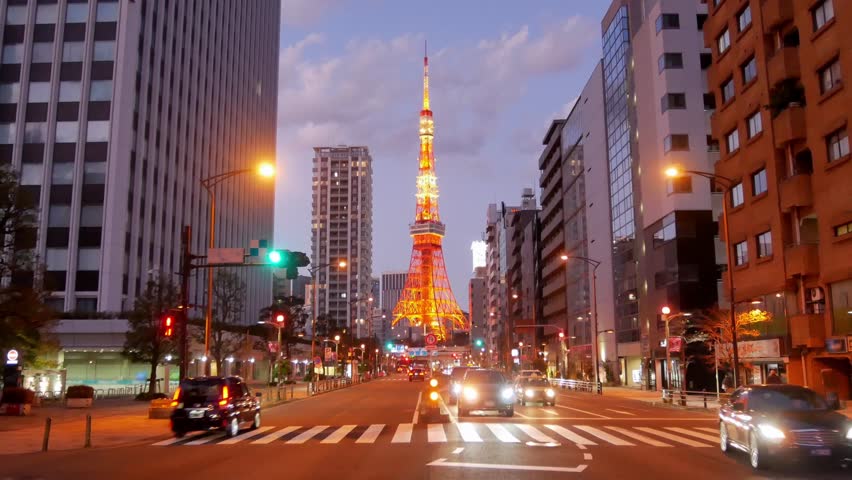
(501, 70)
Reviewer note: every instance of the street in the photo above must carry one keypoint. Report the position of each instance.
(367, 432)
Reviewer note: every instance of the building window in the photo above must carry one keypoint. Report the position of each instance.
(737, 197)
(758, 182)
(16, 15)
(764, 245)
(670, 61)
(35, 132)
(673, 101)
(723, 42)
(42, 52)
(66, 132)
(91, 216)
(741, 253)
(830, 76)
(822, 13)
(57, 258)
(69, 91)
(100, 91)
(844, 229)
(107, 11)
(88, 259)
(744, 18)
(838, 145)
(749, 70)
(7, 133)
(13, 54)
(681, 184)
(668, 21)
(32, 173)
(39, 92)
(755, 124)
(97, 131)
(728, 91)
(10, 92)
(87, 305)
(700, 20)
(676, 142)
(94, 173)
(77, 13)
(46, 14)
(732, 139)
(72, 51)
(104, 51)
(63, 174)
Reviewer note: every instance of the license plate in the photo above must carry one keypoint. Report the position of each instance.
(821, 452)
(489, 404)
(196, 413)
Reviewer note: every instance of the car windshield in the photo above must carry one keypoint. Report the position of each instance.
(536, 382)
(416, 370)
(484, 377)
(458, 373)
(200, 390)
(788, 400)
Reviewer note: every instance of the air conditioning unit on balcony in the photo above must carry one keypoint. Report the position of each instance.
(816, 294)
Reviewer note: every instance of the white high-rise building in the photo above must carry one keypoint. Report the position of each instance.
(342, 229)
(114, 111)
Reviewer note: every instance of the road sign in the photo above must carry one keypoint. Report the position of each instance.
(12, 357)
(431, 339)
(225, 255)
(431, 347)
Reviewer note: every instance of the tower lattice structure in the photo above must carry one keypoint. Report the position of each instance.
(428, 300)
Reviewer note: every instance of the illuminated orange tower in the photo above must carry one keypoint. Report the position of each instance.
(428, 300)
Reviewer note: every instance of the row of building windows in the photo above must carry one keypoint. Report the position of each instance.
(47, 13)
(759, 186)
(764, 248)
(42, 52)
(66, 132)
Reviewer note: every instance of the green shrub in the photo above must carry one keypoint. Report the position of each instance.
(80, 391)
(18, 395)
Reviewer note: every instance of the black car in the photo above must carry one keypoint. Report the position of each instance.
(456, 377)
(486, 389)
(773, 423)
(206, 403)
(416, 374)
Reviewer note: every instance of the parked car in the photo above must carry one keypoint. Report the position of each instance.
(534, 389)
(775, 423)
(206, 403)
(486, 389)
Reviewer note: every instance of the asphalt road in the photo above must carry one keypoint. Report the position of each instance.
(367, 432)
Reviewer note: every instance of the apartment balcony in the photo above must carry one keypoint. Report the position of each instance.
(790, 126)
(783, 65)
(808, 330)
(802, 259)
(796, 192)
(777, 13)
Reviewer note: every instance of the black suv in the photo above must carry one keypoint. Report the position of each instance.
(205, 403)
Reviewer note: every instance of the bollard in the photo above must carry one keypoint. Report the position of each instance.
(88, 442)
(705, 400)
(46, 438)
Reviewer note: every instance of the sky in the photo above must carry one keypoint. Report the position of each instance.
(350, 72)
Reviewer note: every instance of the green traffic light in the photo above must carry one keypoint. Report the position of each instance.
(274, 257)
(390, 345)
(478, 342)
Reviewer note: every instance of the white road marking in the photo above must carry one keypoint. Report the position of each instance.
(173, 440)
(638, 436)
(417, 408)
(603, 435)
(208, 438)
(403, 433)
(275, 435)
(435, 433)
(702, 436)
(468, 432)
(371, 434)
(339, 434)
(710, 430)
(672, 437)
(534, 433)
(587, 456)
(550, 412)
(442, 462)
(521, 414)
(249, 434)
(307, 435)
(501, 433)
(458, 450)
(568, 434)
(583, 411)
(621, 412)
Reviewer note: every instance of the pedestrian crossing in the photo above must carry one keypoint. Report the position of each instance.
(463, 432)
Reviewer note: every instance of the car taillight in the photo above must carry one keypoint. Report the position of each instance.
(224, 400)
(176, 397)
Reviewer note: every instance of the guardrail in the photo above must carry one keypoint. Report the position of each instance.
(329, 384)
(577, 385)
(696, 399)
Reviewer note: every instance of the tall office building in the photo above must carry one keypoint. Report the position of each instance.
(498, 219)
(342, 229)
(478, 310)
(392, 285)
(114, 112)
(790, 201)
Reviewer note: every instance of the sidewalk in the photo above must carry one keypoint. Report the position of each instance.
(655, 398)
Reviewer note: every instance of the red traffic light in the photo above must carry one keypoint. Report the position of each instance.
(168, 325)
(280, 318)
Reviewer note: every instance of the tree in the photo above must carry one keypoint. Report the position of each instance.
(24, 317)
(143, 341)
(293, 309)
(226, 330)
(714, 330)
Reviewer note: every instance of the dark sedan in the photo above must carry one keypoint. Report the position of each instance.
(486, 389)
(773, 423)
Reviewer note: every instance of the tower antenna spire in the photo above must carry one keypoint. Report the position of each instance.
(425, 76)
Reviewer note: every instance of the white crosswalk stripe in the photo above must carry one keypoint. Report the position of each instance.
(672, 437)
(522, 434)
(339, 434)
(710, 430)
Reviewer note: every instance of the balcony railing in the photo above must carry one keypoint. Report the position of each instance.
(777, 13)
(808, 330)
(802, 259)
(796, 192)
(790, 126)
(784, 64)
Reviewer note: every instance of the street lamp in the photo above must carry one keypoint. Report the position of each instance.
(315, 307)
(595, 264)
(667, 317)
(264, 170)
(728, 184)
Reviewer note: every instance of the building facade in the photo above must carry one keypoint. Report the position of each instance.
(342, 229)
(392, 285)
(497, 221)
(523, 282)
(113, 112)
(777, 74)
(478, 312)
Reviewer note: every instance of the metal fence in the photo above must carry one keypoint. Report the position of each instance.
(329, 384)
(576, 385)
(695, 399)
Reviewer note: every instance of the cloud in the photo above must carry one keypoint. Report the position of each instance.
(305, 12)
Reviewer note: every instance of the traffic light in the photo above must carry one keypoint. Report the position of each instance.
(279, 317)
(479, 342)
(290, 261)
(168, 325)
(389, 345)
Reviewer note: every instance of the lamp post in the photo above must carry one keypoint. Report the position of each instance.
(667, 317)
(728, 184)
(315, 307)
(265, 170)
(595, 264)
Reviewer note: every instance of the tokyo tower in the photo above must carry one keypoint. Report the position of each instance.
(427, 300)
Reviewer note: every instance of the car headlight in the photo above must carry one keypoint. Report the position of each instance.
(550, 393)
(457, 388)
(529, 393)
(849, 434)
(771, 432)
(507, 393)
(470, 393)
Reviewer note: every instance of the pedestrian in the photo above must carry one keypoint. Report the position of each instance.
(773, 378)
